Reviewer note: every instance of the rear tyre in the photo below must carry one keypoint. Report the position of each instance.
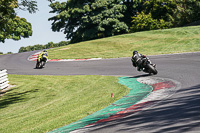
(42, 64)
(39, 65)
(152, 69)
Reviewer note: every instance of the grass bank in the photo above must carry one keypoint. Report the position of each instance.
(43, 103)
(176, 40)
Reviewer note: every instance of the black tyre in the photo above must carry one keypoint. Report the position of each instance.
(42, 64)
(37, 65)
(152, 69)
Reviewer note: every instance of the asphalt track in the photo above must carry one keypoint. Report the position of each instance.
(179, 113)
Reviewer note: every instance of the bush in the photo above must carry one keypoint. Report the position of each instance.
(143, 22)
(10, 53)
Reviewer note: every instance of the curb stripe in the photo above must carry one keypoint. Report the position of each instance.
(163, 85)
(136, 107)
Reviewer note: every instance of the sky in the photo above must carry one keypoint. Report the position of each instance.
(42, 33)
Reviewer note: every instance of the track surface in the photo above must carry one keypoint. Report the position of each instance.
(179, 113)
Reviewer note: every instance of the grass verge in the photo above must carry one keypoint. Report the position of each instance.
(176, 40)
(43, 103)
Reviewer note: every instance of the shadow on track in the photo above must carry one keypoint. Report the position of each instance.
(181, 114)
(142, 75)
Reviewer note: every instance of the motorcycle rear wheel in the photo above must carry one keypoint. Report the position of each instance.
(151, 69)
(40, 65)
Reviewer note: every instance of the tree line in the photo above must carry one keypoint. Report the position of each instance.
(46, 46)
(91, 19)
(6, 53)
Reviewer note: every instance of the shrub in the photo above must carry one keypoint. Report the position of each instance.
(143, 22)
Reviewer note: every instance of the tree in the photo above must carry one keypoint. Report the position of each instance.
(22, 49)
(84, 20)
(39, 47)
(11, 25)
(63, 43)
(132, 8)
(160, 9)
(187, 11)
(171, 12)
(29, 5)
(10, 53)
(49, 45)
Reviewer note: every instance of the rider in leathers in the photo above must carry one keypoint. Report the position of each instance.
(137, 60)
(42, 55)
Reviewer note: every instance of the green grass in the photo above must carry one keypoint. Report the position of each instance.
(43, 103)
(176, 40)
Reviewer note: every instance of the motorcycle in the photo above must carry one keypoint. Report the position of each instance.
(147, 66)
(40, 64)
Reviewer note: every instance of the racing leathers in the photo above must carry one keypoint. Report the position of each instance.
(137, 60)
(43, 55)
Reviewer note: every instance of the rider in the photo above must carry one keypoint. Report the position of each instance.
(42, 55)
(137, 60)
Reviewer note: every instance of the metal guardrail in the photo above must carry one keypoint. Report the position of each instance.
(3, 79)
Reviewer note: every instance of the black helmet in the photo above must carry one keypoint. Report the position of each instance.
(44, 51)
(135, 52)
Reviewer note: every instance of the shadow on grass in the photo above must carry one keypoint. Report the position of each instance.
(14, 97)
(176, 114)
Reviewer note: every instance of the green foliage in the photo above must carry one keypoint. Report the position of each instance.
(132, 7)
(85, 20)
(29, 5)
(1, 53)
(9, 52)
(160, 9)
(153, 14)
(11, 25)
(187, 11)
(40, 47)
(161, 14)
(145, 22)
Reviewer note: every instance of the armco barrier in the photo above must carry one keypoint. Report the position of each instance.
(3, 79)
